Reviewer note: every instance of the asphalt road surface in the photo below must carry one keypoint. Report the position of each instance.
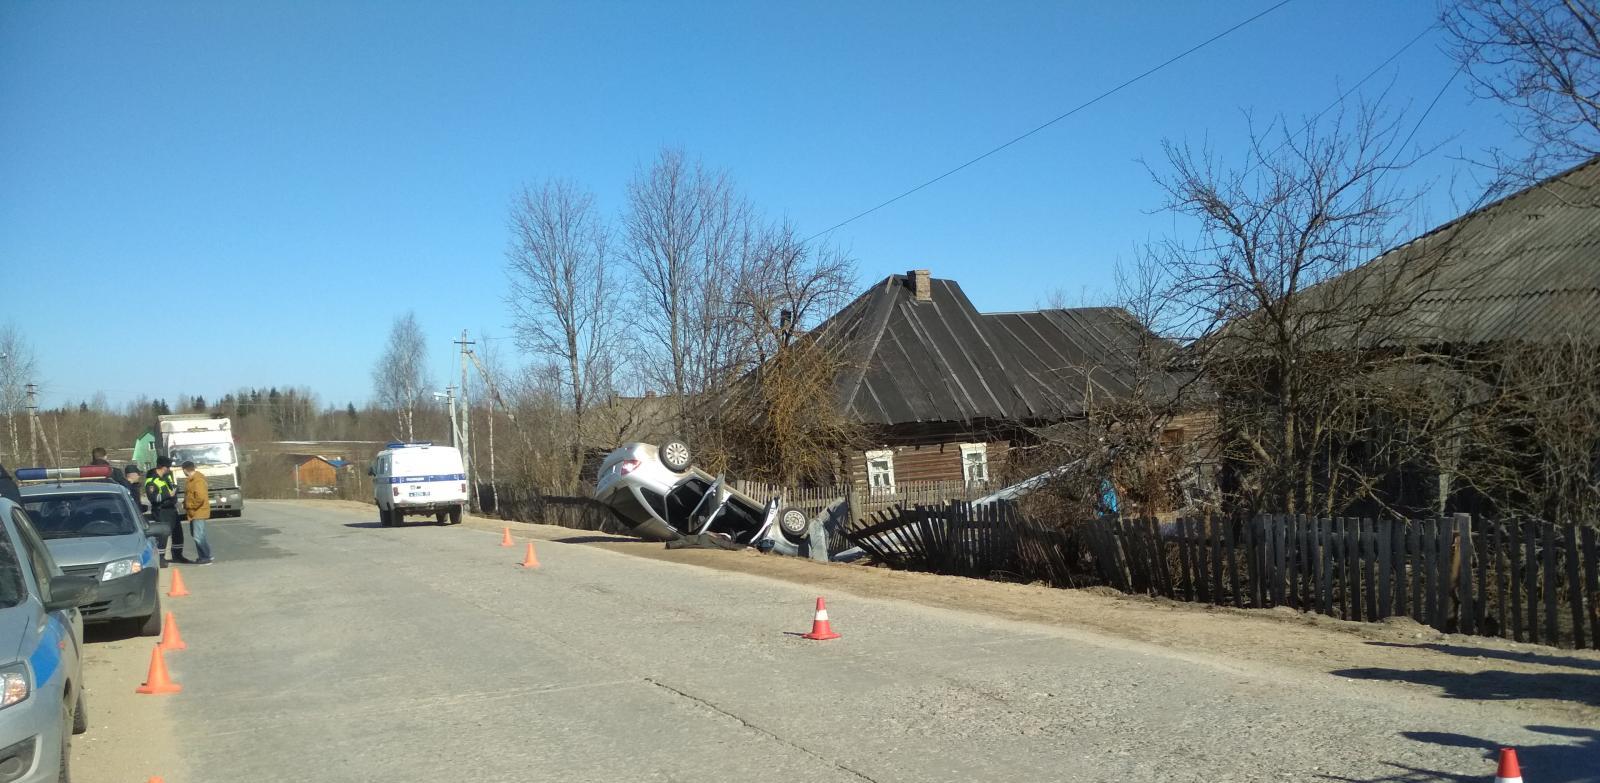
(326, 648)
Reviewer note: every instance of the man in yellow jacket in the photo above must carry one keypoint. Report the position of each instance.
(197, 503)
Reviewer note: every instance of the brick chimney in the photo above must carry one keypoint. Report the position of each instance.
(921, 285)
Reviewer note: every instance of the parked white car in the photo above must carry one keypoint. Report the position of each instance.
(660, 495)
(417, 479)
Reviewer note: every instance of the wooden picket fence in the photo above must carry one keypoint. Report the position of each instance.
(1525, 580)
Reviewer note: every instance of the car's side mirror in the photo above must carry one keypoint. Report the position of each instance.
(372, 473)
(70, 592)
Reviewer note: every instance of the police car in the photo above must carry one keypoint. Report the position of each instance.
(93, 529)
(41, 667)
(419, 478)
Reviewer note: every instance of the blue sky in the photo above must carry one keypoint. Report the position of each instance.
(283, 178)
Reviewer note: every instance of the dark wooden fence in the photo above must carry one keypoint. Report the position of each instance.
(576, 512)
(991, 541)
(1526, 580)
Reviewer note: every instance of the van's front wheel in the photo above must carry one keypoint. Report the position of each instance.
(385, 517)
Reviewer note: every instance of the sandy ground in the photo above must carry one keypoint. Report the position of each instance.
(128, 738)
(1558, 682)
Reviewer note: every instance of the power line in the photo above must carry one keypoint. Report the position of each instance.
(1074, 110)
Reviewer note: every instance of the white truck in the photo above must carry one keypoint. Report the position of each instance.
(207, 441)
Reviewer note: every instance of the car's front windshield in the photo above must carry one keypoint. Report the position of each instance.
(203, 454)
(84, 515)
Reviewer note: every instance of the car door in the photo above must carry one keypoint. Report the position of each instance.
(60, 633)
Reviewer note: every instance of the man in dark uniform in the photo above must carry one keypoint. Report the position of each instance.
(98, 457)
(8, 487)
(135, 485)
(161, 489)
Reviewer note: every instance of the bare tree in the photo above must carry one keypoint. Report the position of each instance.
(685, 228)
(1541, 58)
(778, 420)
(1263, 297)
(400, 379)
(17, 367)
(561, 292)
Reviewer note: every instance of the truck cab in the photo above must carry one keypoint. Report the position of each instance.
(207, 441)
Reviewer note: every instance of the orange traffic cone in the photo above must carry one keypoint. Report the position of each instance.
(157, 682)
(821, 630)
(171, 639)
(156, 780)
(1510, 771)
(532, 560)
(178, 589)
(505, 538)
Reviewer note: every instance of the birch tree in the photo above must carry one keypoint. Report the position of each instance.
(561, 293)
(17, 367)
(400, 379)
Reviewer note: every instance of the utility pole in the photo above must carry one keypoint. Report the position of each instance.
(33, 423)
(466, 420)
(450, 405)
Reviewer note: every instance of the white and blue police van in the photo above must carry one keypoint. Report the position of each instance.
(419, 479)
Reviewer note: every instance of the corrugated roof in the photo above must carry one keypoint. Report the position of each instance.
(1524, 268)
(943, 361)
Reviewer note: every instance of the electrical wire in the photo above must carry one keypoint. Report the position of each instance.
(1074, 110)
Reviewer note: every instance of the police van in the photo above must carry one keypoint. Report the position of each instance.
(416, 479)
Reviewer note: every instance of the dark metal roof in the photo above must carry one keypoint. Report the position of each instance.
(1524, 268)
(943, 361)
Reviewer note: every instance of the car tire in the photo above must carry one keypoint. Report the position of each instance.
(455, 515)
(675, 455)
(793, 523)
(80, 715)
(385, 517)
(442, 517)
(151, 626)
(64, 775)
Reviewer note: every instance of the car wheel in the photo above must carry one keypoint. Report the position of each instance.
(151, 626)
(793, 523)
(455, 515)
(385, 517)
(441, 517)
(67, 722)
(675, 455)
(80, 715)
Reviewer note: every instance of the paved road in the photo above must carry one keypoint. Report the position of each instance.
(325, 648)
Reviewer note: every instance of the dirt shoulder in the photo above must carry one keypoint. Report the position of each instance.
(1560, 683)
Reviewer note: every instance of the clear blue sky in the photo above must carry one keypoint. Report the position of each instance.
(283, 178)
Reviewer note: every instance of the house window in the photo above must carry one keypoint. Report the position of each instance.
(880, 471)
(975, 461)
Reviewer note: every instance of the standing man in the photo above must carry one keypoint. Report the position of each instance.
(98, 457)
(197, 503)
(161, 490)
(135, 485)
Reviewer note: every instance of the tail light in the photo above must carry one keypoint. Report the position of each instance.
(627, 466)
(463, 487)
(397, 492)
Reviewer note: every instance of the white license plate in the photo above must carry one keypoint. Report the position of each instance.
(418, 495)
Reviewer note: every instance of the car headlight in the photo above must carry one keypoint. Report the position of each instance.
(119, 569)
(14, 685)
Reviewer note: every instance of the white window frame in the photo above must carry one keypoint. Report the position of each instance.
(981, 449)
(887, 455)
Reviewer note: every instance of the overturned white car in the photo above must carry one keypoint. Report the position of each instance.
(661, 496)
